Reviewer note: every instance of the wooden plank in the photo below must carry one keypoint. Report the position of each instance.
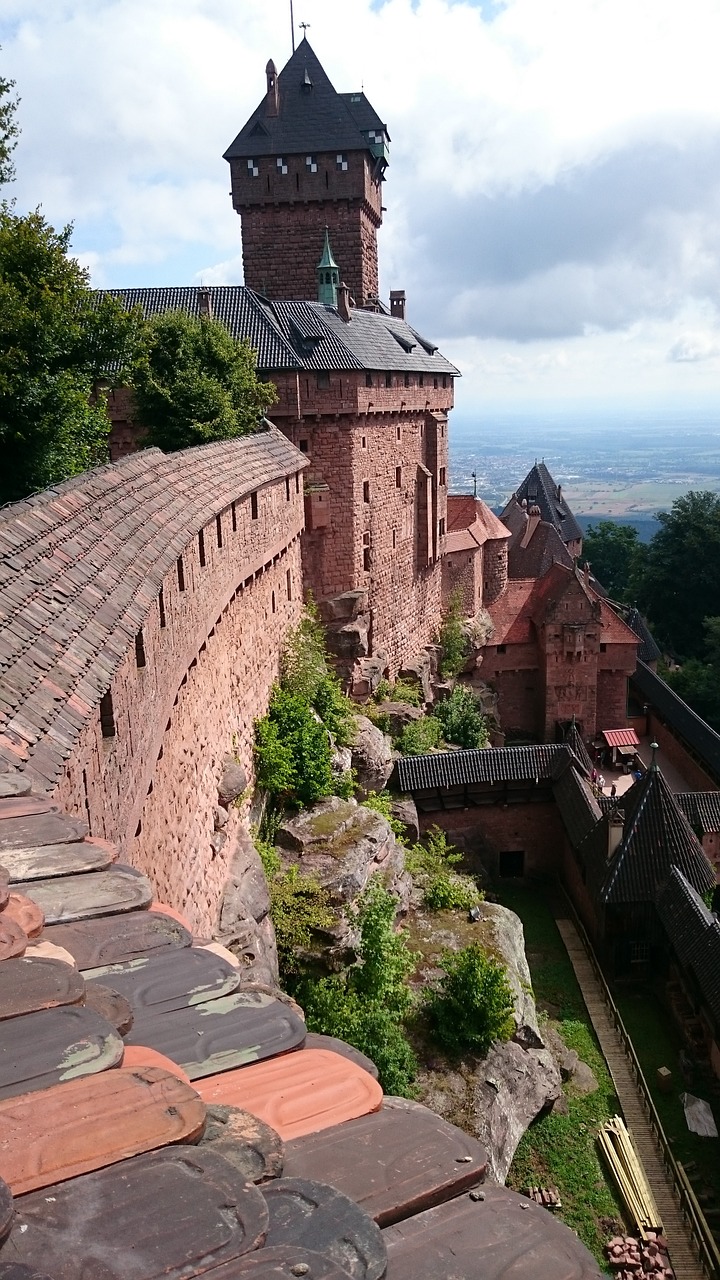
(27, 985)
(51, 860)
(40, 829)
(95, 943)
(91, 894)
(170, 980)
(218, 1035)
(314, 1216)
(74, 1128)
(172, 1214)
(41, 1049)
(500, 1236)
(395, 1162)
(301, 1093)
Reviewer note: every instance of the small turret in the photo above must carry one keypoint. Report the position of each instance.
(328, 275)
(272, 101)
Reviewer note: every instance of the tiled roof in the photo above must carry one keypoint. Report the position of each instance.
(80, 566)
(302, 335)
(656, 837)
(544, 548)
(311, 119)
(701, 808)
(578, 807)
(649, 650)
(694, 932)
(574, 740)
(467, 512)
(671, 709)
(459, 768)
(539, 488)
(621, 737)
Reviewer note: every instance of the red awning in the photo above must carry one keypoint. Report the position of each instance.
(621, 737)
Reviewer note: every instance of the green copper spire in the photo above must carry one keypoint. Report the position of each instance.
(328, 275)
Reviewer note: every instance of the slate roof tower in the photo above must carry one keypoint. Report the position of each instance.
(309, 158)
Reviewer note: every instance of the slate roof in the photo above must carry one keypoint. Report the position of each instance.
(540, 488)
(694, 932)
(309, 119)
(302, 335)
(671, 709)
(578, 807)
(441, 769)
(81, 564)
(574, 740)
(656, 837)
(649, 650)
(701, 808)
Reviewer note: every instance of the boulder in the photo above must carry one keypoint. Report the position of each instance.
(567, 1059)
(583, 1079)
(349, 641)
(510, 943)
(404, 810)
(418, 671)
(512, 1086)
(398, 715)
(366, 675)
(342, 844)
(233, 781)
(244, 925)
(343, 608)
(372, 757)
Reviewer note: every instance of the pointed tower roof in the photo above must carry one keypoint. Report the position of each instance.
(539, 489)
(327, 260)
(311, 115)
(656, 837)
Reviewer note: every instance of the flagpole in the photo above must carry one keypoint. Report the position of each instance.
(292, 26)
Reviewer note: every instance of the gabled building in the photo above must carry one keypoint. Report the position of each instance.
(538, 489)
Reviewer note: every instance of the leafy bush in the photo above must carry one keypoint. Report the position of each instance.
(461, 719)
(292, 751)
(299, 908)
(420, 736)
(400, 691)
(386, 959)
(453, 639)
(381, 802)
(431, 865)
(472, 1004)
(305, 672)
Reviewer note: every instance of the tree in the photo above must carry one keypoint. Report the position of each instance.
(616, 555)
(698, 683)
(194, 383)
(57, 340)
(472, 1005)
(8, 130)
(680, 583)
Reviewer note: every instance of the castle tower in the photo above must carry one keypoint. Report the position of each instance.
(308, 159)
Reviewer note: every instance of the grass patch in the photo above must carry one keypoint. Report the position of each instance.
(561, 1149)
(657, 1043)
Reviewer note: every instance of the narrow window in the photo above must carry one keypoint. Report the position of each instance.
(161, 607)
(441, 527)
(502, 648)
(287, 488)
(388, 379)
(398, 477)
(140, 649)
(368, 380)
(107, 716)
(303, 446)
(394, 538)
(366, 490)
(218, 529)
(442, 476)
(435, 383)
(253, 506)
(603, 648)
(323, 381)
(366, 552)
(272, 602)
(233, 513)
(444, 380)
(364, 442)
(288, 577)
(421, 380)
(201, 547)
(297, 481)
(407, 379)
(181, 574)
(398, 432)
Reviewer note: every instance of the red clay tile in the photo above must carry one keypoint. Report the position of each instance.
(25, 806)
(13, 939)
(39, 949)
(29, 984)
(95, 943)
(25, 912)
(42, 828)
(86, 1124)
(42, 1049)
(171, 980)
(255, 1149)
(58, 859)
(140, 1057)
(111, 1006)
(284, 1262)
(316, 1216)
(6, 1209)
(315, 1041)
(162, 909)
(298, 1093)
(91, 894)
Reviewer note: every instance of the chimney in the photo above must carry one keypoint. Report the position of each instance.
(272, 101)
(205, 303)
(559, 493)
(343, 302)
(615, 824)
(397, 303)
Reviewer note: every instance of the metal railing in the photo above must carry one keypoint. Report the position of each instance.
(695, 1220)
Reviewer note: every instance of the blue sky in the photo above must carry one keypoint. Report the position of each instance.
(553, 194)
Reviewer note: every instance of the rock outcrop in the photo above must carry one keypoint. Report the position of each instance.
(372, 757)
(244, 925)
(398, 715)
(512, 1086)
(233, 781)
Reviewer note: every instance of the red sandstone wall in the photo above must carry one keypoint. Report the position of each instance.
(693, 773)
(489, 830)
(578, 892)
(612, 691)
(152, 787)
(463, 572)
(516, 677)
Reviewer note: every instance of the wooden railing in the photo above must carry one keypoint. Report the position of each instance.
(695, 1220)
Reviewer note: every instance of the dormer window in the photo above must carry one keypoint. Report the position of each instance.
(253, 171)
(311, 164)
(281, 164)
(342, 162)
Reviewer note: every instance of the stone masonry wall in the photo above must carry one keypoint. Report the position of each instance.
(463, 572)
(489, 830)
(211, 651)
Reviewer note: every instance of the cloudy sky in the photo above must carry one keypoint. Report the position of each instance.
(553, 194)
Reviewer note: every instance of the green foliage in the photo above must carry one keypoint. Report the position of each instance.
(698, 683)
(472, 1004)
(194, 383)
(305, 672)
(381, 802)
(453, 639)
(616, 556)
(400, 691)
(299, 908)
(461, 719)
(681, 577)
(431, 866)
(345, 785)
(8, 130)
(420, 736)
(366, 1005)
(56, 342)
(292, 751)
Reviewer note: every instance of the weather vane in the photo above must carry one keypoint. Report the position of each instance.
(304, 25)
(474, 480)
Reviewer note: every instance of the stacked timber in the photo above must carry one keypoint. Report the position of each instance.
(624, 1164)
